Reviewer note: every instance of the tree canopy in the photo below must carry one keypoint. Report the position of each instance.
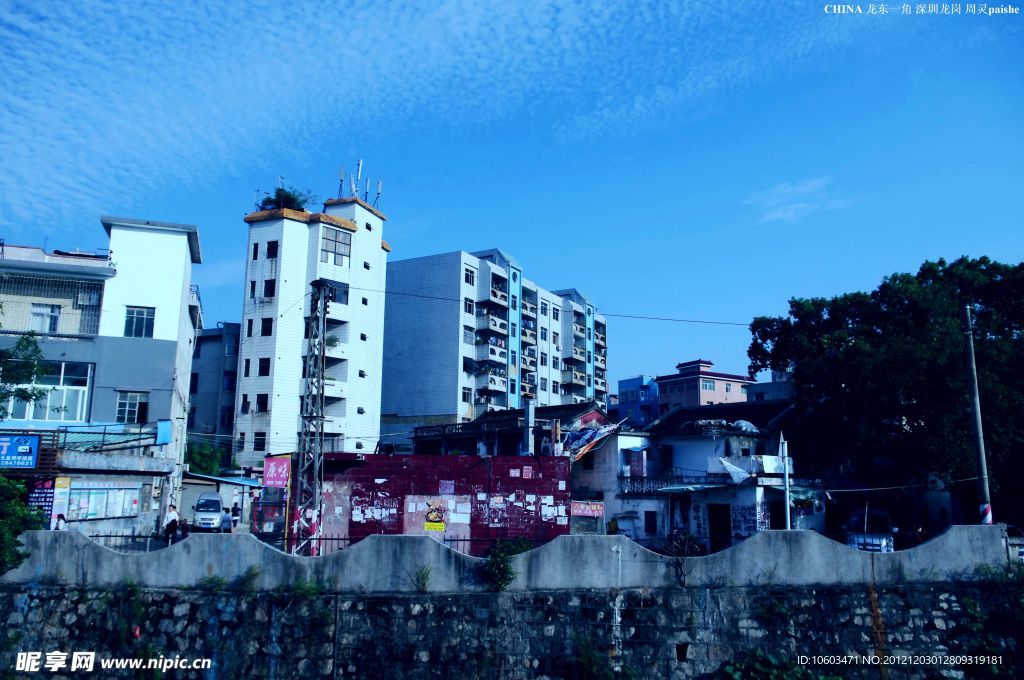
(881, 378)
(291, 198)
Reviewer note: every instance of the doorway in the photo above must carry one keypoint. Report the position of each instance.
(720, 525)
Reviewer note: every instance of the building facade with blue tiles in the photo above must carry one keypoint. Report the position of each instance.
(638, 400)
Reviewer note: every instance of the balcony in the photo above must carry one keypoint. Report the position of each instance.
(195, 307)
(572, 377)
(579, 330)
(492, 353)
(600, 385)
(600, 361)
(333, 389)
(499, 296)
(335, 349)
(529, 309)
(600, 338)
(529, 363)
(493, 383)
(754, 465)
(578, 354)
(529, 336)
(526, 390)
(489, 322)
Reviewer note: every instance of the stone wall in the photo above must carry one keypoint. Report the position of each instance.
(649, 633)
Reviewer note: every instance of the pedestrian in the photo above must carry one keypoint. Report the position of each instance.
(61, 523)
(171, 523)
(183, 528)
(236, 514)
(225, 522)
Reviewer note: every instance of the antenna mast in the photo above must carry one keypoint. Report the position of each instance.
(310, 456)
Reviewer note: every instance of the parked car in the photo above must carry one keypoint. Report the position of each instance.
(872, 531)
(207, 512)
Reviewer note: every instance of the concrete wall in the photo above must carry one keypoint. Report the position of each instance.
(386, 564)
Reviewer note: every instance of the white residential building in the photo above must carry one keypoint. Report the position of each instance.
(287, 251)
(116, 331)
(467, 332)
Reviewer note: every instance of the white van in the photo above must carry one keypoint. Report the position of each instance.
(207, 512)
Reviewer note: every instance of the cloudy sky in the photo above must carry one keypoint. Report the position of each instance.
(703, 161)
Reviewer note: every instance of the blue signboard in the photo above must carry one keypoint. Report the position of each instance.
(19, 451)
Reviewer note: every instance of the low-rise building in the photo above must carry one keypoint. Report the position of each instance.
(696, 384)
(638, 401)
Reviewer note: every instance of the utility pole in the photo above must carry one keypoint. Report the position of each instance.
(784, 452)
(984, 501)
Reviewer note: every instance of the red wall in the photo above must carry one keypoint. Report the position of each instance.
(507, 496)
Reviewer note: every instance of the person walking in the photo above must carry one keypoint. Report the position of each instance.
(171, 520)
(225, 522)
(61, 523)
(236, 514)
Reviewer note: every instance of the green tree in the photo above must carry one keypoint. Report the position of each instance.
(15, 517)
(202, 458)
(19, 366)
(881, 377)
(291, 198)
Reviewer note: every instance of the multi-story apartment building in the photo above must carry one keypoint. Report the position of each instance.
(467, 333)
(211, 419)
(638, 400)
(287, 251)
(116, 331)
(695, 384)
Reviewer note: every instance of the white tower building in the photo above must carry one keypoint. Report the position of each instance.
(287, 250)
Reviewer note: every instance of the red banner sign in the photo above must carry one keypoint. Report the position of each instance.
(276, 471)
(586, 508)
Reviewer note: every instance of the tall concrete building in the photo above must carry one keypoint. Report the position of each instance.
(116, 330)
(211, 418)
(288, 250)
(467, 332)
(695, 383)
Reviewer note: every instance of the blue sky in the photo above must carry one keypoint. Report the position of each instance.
(702, 161)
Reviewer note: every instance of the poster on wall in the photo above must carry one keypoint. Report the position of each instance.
(435, 516)
(277, 471)
(40, 495)
(19, 451)
(61, 495)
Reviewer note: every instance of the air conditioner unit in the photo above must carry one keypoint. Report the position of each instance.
(88, 299)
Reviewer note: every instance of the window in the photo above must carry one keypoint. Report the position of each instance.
(335, 246)
(554, 313)
(138, 322)
(230, 345)
(267, 326)
(248, 328)
(252, 289)
(362, 373)
(544, 384)
(193, 384)
(650, 522)
(555, 362)
(590, 358)
(543, 358)
(245, 369)
(245, 403)
(262, 403)
(469, 276)
(338, 293)
(227, 417)
(515, 303)
(743, 389)
(117, 499)
(707, 385)
(365, 301)
(728, 387)
(590, 334)
(255, 251)
(366, 265)
(554, 386)
(512, 386)
(543, 307)
(362, 336)
(512, 359)
(230, 381)
(360, 410)
(554, 339)
(132, 407)
(259, 441)
(241, 441)
(271, 250)
(543, 333)
(590, 381)
(467, 392)
(269, 288)
(264, 367)
(512, 329)
(45, 318)
(67, 386)
(468, 335)
(467, 306)
(467, 365)
(369, 227)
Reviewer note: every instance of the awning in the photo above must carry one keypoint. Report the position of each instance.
(689, 488)
(799, 493)
(236, 481)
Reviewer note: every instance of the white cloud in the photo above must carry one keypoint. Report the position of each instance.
(791, 201)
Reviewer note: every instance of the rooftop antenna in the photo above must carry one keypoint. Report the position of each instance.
(366, 190)
(380, 188)
(280, 183)
(341, 182)
(351, 185)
